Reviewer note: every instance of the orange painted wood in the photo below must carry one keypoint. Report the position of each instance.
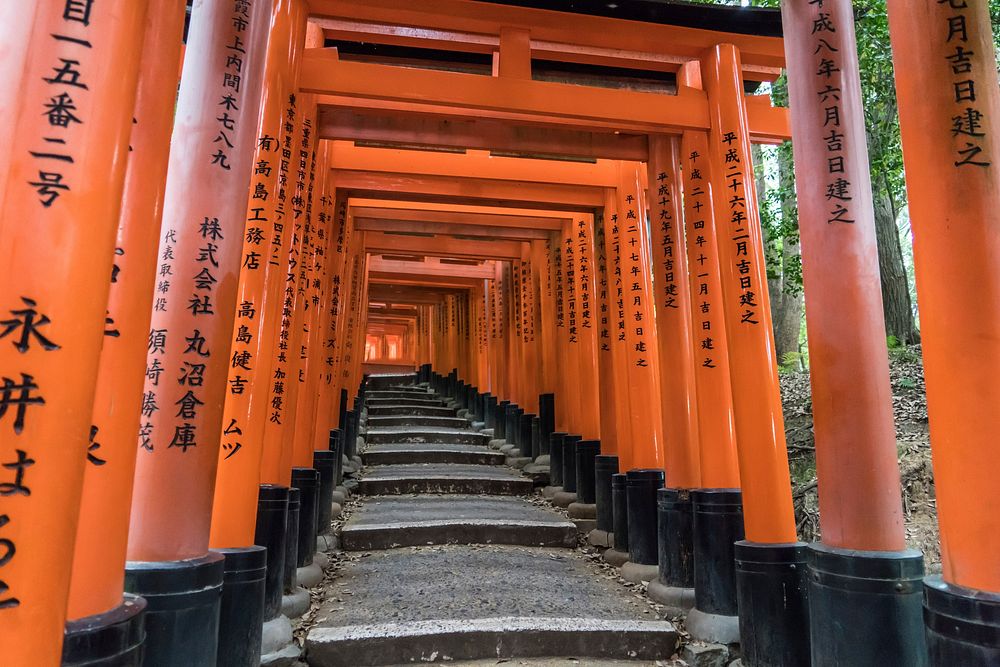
(641, 354)
(860, 500)
(719, 467)
(98, 573)
(674, 338)
(953, 185)
(760, 429)
(61, 204)
(241, 450)
(620, 390)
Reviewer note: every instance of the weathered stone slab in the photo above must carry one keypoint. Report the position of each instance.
(420, 421)
(427, 399)
(412, 410)
(388, 522)
(495, 602)
(424, 435)
(443, 478)
(433, 452)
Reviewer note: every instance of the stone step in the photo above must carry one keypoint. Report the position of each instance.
(383, 421)
(431, 452)
(376, 436)
(386, 380)
(444, 478)
(431, 604)
(399, 393)
(413, 401)
(404, 521)
(413, 410)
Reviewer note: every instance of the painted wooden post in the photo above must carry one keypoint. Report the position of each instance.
(201, 243)
(673, 316)
(949, 105)
(61, 200)
(767, 493)
(245, 410)
(861, 509)
(98, 574)
(641, 354)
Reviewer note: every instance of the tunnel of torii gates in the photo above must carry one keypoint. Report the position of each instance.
(548, 212)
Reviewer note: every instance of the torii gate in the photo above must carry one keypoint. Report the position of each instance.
(214, 361)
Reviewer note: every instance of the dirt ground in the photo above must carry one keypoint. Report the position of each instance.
(912, 443)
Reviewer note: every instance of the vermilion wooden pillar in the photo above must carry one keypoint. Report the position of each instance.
(641, 354)
(99, 557)
(314, 275)
(201, 242)
(17, 19)
(719, 467)
(769, 579)
(673, 316)
(245, 410)
(621, 396)
(331, 307)
(605, 338)
(590, 409)
(67, 153)
(275, 462)
(949, 106)
(861, 507)
(280, 426)
(542, 264)
(767, 495)
(572, 328)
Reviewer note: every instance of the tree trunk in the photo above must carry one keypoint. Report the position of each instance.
(788, 316)
(896, 304)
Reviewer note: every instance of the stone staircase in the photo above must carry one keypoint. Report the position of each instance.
(461, 559)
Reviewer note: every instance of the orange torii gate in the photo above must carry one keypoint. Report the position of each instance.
(281, 142)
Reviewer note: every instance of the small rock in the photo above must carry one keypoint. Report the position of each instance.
(705, 655)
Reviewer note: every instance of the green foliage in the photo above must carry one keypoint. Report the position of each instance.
(792, 362)
(893, 343)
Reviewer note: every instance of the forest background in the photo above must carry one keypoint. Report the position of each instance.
(776, 186)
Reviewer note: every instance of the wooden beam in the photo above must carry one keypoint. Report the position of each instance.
(446, 229)
(382, 269)
(345, 155)
(387, 182)
(440, 246)
(469, 42)
(488, 19)
(461, 218)
(431, 130)
(585, 107)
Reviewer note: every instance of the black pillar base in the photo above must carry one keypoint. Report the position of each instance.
(269, 532)
(524, 444)
(604, 467)
(289, 579)
(241, 619)
(306, 480)
(877, 596)
(619, 512)
(182, 608)
(640, 497)
(556, 458)
(772, 584)
(547, 416)
(675, 537)
(586, 454)
(112, 639)
(718, 525)
(325, 463)
(569, 462)
(963, 625)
